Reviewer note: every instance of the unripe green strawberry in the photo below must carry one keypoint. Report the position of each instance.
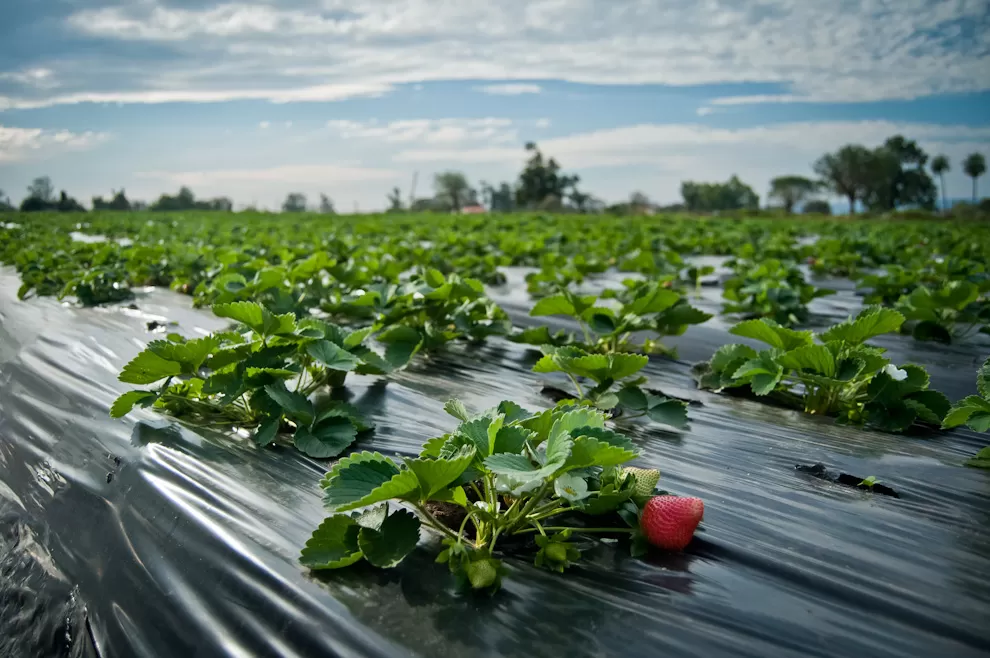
(481, 573)
(646, 479)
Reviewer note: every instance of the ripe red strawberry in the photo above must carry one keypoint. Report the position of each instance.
(669, 521)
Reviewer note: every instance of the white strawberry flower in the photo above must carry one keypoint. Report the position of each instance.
(894, 372)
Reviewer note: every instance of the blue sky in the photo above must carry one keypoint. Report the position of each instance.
(254, 99)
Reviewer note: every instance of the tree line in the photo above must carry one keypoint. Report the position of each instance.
(897, 174)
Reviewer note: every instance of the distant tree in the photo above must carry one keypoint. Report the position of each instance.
(845, 172)
(294, 202)
(66, 203)
(5, 202)
(896, 177)
(817, 207)
(119, 201)
(579, 200)
(41, 188)
(940, 165)
(395, 200)
(541, 179)
(791, 190)
(326, 205)
(220, 203)
(139, 205)
(711, 197)
(453, 188)
(975, 166)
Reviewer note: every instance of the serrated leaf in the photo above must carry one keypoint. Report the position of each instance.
(931, 406)
(655, 300)
(437, 474)
(560, 441)
(519, 467)
(588, 451)
(456, 408)
(355, 458)
(669, 412)
(352, 488)
(327, 439)
(816, 358)
(332, 356)
(148, 368)
(334, 544)
(633, 397)
(983, 380)
(553, 305)
(731, 354)
(295, 405)
(963, 410)
(251, 314)
(266, 432)
(600, 320)
(512, 439)
(512, 411)
(870, 322)
(402, 343)
(771, 333)
(476, 431)
(125, 403)
(933, 331)
(357, 337)
(607, 436)
(982, 458)
(389, 544)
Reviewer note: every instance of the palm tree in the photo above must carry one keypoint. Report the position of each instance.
(975, 166)
(940, 165)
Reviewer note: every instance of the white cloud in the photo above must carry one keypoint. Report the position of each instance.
(17, 144)
(430, 131)
(295, 174)
(40, 78)
(704, 111)
(510, 89)
(316, 93)
(303, 50)
(264, 124)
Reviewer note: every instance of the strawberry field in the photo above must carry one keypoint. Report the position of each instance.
(493, 435)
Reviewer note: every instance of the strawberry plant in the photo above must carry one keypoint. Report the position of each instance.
(949, 313)
(974, 410)
(260, 376)
(505, 481)
(840, 375)
(614, 383)
(643, 307)
(771, 289)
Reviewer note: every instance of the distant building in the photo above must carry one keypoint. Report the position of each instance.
(473, 210)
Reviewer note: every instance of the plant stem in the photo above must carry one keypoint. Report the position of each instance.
(435, 524)
(576, 385)
(579, 530)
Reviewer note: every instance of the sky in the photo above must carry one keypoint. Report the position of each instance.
(253, 100)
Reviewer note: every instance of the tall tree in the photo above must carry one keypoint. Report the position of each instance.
(294, 202)
(711, 197)
(975, 166)
(845, 172)
(5, 202)
(791, 190)
(940, 165)
(541, 179)
(452, 187)
(896, 177)
(41, 188)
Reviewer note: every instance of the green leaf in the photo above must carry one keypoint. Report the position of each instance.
(930, 406)
(773, 334)
(512, 411)
(870, 322)
(334, 544)
(355, 458)
(456, 408)
(559, 442)
(365, 483)
(816, 358)
(655, 300)
(327, 439)
(933, 331)
(587, 451)
(402, 342)
(607, 436)
(476, 431)
(512, 439)
(123, 405)
(962, 411)
(519, 467)
(601, 320)
(267, 431)
(553, 305)
(332, 356)
(983, 380)
(540, 336)
(296, 405)
(248, 313)
(731, 354)
(148, 368)
(762, 373)
(633, 398)
(607, 500)
(357, 337)
(437, 474)
(189, 354)
(669, 412)
(388, 545)
(980, 460)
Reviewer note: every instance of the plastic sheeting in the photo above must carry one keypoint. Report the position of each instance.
(144, 537)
